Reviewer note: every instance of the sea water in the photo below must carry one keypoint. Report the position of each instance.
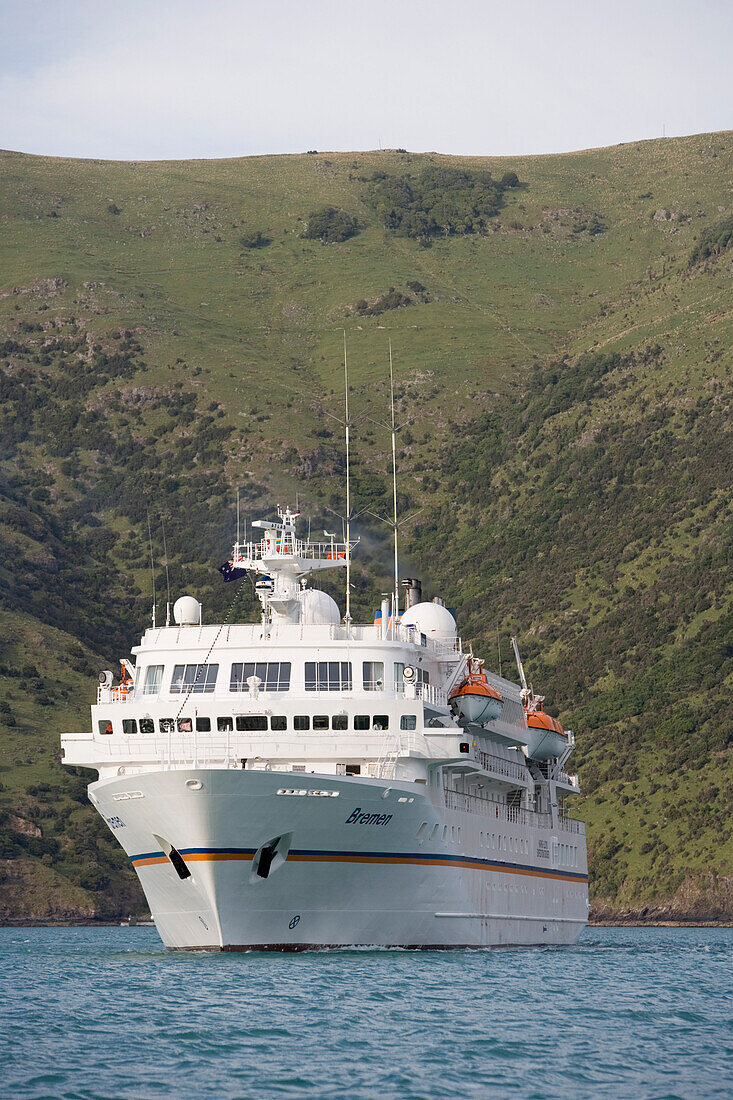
(109, 1013)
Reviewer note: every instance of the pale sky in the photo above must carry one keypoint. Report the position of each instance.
(156, 79)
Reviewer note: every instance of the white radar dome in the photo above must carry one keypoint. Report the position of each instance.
(187, 611)
(319, 609)
(433, 620)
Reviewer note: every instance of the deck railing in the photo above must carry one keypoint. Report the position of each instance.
(492, 809)
(508, 768)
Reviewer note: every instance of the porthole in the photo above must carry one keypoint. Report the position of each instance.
(194, 784)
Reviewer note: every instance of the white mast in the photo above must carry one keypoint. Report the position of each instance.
(396, 603)
(347, 616)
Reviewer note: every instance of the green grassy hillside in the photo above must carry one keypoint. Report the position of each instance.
(562, 348)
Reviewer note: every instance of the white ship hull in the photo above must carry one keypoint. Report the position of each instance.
(377, 863)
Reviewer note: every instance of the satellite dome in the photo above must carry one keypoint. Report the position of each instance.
(187, 611)
(319, 609)
(433, 620)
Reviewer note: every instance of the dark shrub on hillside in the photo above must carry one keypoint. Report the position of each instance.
(713, 240)
(510, 179)
(330, 225)
(393, 299)
(113, 208)
(254, 240)
(440, 201)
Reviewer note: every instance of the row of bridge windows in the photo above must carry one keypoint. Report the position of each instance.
(200, 679)
(259, 723)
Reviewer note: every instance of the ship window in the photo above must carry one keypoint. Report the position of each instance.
(320, 721)
(278, 722)
(399, 682)
(153, 679)
(362, 722)
(301, 722)
(353, 769)
(105, 726)
(380, 722)
(167, 725)
(373, 675)
(129, 725)
(408, 722)
(185, 725)
(328, 676)
(273, 675)
(340, 722)
(225, 725)
(251, 722)
(147, 725)
(203, 725)
(200, 679)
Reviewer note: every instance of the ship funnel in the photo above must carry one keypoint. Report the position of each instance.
(413, 591)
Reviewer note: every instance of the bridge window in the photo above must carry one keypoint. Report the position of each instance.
(362, 722)
(167, 725)
(340, 722)
(320, 721)
(408, 722)
(380, 722)
(328, 676)
(225, 725)
(153, 679)
(301, 722)
(203, 725)
(147, 725)
(278, 722)
(185, 725)
(373, 675)
(129, 725)
(252, 722)
(273, 675)
(199, 679)
(105, 726)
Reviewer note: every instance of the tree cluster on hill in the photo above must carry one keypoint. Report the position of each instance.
(713, 240)
(330, 225)
(439, 201)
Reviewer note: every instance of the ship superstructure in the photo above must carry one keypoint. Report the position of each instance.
(307, 782)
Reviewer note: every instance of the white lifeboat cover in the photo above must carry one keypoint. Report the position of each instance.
(433, 620)
(318, 608)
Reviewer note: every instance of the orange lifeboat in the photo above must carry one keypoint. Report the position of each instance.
(537, 719)
(475, 699)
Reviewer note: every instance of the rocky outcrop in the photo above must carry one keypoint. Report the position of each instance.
(703, 898)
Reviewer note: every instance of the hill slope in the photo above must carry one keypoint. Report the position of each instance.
(168, 332)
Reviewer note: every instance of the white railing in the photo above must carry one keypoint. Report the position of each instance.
(498, 766)
(289, 546)
(491, 808)
(571, 825)
(431, 694)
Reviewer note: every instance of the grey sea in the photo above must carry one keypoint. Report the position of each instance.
(108, 1013)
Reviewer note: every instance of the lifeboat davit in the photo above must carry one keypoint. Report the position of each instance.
(546, 738)
(475, 699)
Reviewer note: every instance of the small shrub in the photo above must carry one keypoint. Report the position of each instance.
(254, 240)
(113, 208)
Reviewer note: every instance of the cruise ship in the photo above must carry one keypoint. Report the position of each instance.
(305, 782)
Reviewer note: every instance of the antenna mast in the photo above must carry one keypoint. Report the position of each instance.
(152, 565)
(396, 611)
(167, 574)
(347, 616)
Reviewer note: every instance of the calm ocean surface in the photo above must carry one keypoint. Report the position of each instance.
(107, 1012)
